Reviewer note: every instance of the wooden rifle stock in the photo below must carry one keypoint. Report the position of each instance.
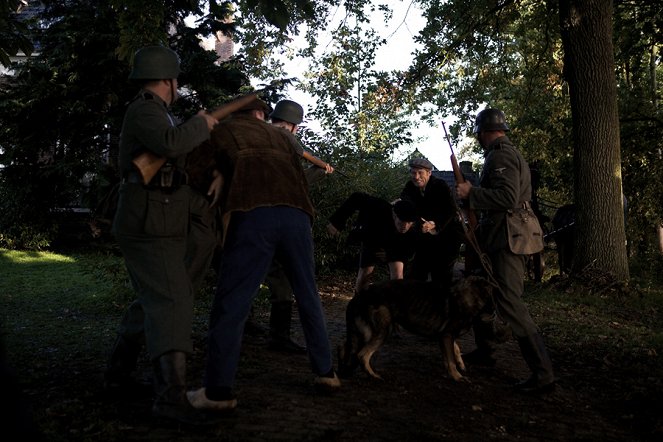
(472, 259)
(148, 163)
(460, 178)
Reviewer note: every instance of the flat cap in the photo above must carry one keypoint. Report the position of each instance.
(420, 163)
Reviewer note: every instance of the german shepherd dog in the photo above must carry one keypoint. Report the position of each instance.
(423, 308)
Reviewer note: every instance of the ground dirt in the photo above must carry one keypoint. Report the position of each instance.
(415, 401)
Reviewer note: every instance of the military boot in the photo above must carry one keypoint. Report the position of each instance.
(122, 362)
(280, 320)
(536, 356)
(171, 401)
(484, 337)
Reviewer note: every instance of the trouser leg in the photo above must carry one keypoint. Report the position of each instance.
(159, 275)
(296, 248)
(247, 255)
(280, 317)
(201, 242)
(126, 349)
(509, 270)
(536, 356)
(280, 320)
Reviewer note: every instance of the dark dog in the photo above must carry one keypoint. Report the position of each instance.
(423, 308)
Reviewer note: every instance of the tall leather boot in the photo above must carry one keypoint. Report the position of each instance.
(280, 319)
(483, 328)
(536, 356)
(121, 364)
(171, 401)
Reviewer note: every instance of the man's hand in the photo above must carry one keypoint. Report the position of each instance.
(333, 231)
(215, 187)
(428, 227)
(209, 119)
(463, 190)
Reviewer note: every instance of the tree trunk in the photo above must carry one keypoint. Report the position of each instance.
(589, 68)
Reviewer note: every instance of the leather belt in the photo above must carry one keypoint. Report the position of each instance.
(133, 177)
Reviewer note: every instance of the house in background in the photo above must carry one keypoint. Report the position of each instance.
(465, 168)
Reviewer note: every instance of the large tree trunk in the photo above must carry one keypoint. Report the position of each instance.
(586, 28)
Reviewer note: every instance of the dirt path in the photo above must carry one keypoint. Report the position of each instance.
(414, 402)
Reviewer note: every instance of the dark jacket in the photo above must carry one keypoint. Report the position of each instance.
(375, 222)
(149, 126)
(435, 204)
(505, 184)
(260, 166)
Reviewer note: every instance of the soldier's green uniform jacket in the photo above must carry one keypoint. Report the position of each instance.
(148, 125)
(152, 223)
(505, 184)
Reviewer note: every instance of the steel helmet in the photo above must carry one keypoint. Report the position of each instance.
(155, 63)
(490, 119)
(288, 110)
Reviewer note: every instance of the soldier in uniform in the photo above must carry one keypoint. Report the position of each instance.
(266, 215)
(440, 232)
(384, 230)
(505, 185)
(152, 228)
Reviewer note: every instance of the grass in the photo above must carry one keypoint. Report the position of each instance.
(617, 331)
(60, 313)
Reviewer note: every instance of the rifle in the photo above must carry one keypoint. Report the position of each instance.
(148, 163)
(316, 161)
(472, 256)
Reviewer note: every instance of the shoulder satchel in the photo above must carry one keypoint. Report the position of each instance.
(524, 230)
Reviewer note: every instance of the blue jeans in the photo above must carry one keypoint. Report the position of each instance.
(254, 239)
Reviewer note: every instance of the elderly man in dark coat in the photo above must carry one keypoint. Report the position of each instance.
(440, 231)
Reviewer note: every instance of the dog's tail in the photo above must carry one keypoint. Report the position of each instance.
(347, 352)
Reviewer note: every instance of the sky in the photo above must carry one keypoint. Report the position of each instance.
(396, 54)
(399, 32)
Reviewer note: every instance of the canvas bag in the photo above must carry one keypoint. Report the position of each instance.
(524, 231)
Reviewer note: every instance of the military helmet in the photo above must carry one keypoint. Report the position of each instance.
(288, 110)
(490, 119)
(155, 63)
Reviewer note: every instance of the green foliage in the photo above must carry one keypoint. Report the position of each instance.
(383, 179)
(22, 237)
(264, 29)
(509, 55)
(622, 328)
(64, 121)
(639, 78)
(63, 110)
(505, 55)
(64, 107)
(14, 32)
